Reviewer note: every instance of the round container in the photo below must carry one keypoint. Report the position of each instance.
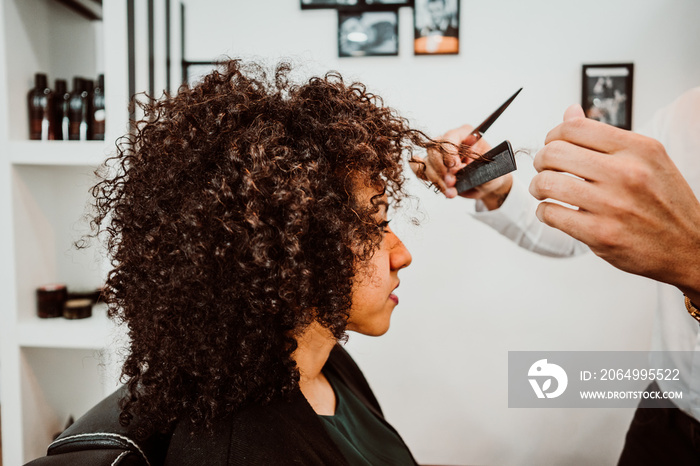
(50, 299)
(92, 295)
(77, 309)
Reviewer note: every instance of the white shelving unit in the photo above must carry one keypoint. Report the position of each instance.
(52, 368)
(57, 153)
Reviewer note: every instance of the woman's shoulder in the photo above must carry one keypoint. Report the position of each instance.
(282, 432)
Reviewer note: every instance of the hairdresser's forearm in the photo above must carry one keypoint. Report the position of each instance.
(495, 199)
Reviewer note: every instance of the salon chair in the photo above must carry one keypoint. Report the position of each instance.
(97, 439)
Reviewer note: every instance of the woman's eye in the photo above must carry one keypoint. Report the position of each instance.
(385, 225)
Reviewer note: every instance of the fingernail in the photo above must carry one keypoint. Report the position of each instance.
(450, 179)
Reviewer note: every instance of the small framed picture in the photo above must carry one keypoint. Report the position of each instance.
(607, 93)
(315, 4)
(368, 33)
(394, 3)
(436, 25)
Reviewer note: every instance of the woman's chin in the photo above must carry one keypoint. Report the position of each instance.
(374, 330)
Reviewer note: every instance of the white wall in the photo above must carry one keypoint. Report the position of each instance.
(470, 295)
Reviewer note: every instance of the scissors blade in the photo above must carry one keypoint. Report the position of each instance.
(486, 124)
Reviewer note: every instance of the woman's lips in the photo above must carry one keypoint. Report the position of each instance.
(394, 298)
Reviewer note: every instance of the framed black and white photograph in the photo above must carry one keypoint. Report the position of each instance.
(314, 4)
(436, 25)
(368, 33)
(394, 3)
(607, 93)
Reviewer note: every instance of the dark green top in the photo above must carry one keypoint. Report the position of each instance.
(362, 437)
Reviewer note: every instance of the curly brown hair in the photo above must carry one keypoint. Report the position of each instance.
(232, 225)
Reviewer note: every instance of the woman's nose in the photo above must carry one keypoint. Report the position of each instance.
(400, 255)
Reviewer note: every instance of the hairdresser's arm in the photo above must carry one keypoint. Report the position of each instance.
(516, 220)
(636, 210)
(504, 203)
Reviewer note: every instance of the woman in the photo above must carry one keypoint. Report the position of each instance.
(248, 228)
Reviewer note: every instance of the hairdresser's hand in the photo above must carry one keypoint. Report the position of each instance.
(636, 210)
(440, 170)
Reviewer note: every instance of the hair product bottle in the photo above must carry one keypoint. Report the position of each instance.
(78, 128)
(98, 113)
(40, 100)
(88, 109)
(61, 100)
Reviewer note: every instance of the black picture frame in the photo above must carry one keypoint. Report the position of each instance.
(368, 33)
(359, 5)
(385, 4)
(332, 4)
(606, 93)
(436, 27)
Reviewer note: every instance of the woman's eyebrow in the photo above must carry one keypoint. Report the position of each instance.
(383, 205)
(380, 199)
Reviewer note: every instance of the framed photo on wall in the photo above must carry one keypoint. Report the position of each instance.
(361, 5)
(436, 26)
(368, 33)
(315, 4)
(606, 93)
(394, 3)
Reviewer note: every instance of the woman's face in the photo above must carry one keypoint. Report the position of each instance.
(373, 298)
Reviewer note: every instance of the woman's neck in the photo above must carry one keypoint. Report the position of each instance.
(314, 346)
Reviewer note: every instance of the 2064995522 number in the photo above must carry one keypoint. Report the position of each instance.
(639, 374)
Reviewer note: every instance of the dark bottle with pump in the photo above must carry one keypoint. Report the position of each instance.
(98, 111)
(61, 102)
(78, 112)
(40, 101)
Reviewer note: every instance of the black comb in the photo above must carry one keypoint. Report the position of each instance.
(496, 162)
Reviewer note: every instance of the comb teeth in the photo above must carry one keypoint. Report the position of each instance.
(496, 162)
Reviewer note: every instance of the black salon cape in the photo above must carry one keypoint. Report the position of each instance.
(280, 433)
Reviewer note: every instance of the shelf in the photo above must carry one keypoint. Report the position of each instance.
(90, 9)
(96, 332)
(58, 153)
(45, 36)
(53, 368)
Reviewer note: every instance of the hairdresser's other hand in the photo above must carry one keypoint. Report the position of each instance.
(636, 210)
(441, 170)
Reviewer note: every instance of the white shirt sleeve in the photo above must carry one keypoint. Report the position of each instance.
(516, 220)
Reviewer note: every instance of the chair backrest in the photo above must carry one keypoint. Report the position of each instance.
(98, 439)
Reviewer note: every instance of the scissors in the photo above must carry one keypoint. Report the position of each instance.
(496, 162)
(486, 124)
